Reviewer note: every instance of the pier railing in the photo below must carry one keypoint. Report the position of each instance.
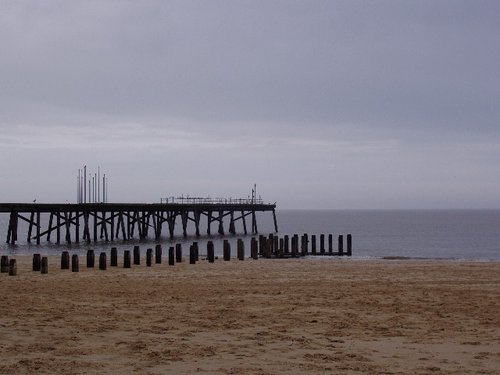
(208, 200)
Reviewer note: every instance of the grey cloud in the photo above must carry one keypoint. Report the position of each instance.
(291, 93)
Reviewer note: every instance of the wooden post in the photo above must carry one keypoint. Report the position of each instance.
(210, 252)
(254, 223)
(281, 249)
(270, 243)
(227, 251)
(313, 244)
(126, 259)
(303, 245)
(306, 242)
(254, 248)
(65, 260)
(75, 267)
(178, 253)
(102, 261)
(262, 245)
(90, 259)
(221, 222)
(241, 249)
(209, 221)
(44, 268)
(275, 221)
(294, 246)
(196, 251)
(12, 267)
(158, 254)
(276, 245)
(38, 228)
(137, 255)
(269, 247)
(341, 245)
(197, 215)
(171, 256)
(330, 244)
(114, 257)
(286, 242)
(232, 228)
(349, 245)
(58, 227)
(322, 244)
(192, 255)
(30, 229)
(36, 262)
(4, 264)
(149, 257)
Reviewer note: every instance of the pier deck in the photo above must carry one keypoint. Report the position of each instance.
(110, 221)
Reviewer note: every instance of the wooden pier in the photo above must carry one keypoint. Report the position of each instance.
(112, 221)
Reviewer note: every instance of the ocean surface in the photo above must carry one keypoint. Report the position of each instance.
(420, 234)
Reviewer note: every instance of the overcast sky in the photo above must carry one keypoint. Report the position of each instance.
(323, 104)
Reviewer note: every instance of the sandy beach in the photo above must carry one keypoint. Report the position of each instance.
(308, 316)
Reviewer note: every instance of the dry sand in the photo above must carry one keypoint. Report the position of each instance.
(309, 316)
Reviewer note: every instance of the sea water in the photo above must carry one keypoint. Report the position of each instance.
(427, 234)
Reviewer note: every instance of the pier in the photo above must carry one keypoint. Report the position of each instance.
(112, 221)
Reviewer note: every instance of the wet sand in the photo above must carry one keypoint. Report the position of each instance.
(309, 316)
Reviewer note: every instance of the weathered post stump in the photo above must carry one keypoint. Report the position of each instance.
(12, 267)
(44, 268)
(281, 249)
(126, 259)
(241, 249)
(178, 253)
(90, 259)
(196, 251)
(210, 252)
(341, 245)
(313, 244)
(102, 261)
(227, 251)
(286, 242)
(149, 257)
(158, 254)
(4, 264)
(262, 245)
(75, 267)
(270, 245)
(192, 255)
(303, 245)
(269, 248)
(295, 245)
(114, 257)
(322, 244)
(349, 245)
(254, 248)
(171, 256)
(330, 244)
(137, 255)
(37, 262)
(65, 260)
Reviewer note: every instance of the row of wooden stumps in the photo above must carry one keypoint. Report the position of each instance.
(288, 246)
(266, 247)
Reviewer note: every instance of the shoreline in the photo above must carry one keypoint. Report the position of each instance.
(269, 316)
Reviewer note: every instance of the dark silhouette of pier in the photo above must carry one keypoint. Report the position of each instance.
(112, 221)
